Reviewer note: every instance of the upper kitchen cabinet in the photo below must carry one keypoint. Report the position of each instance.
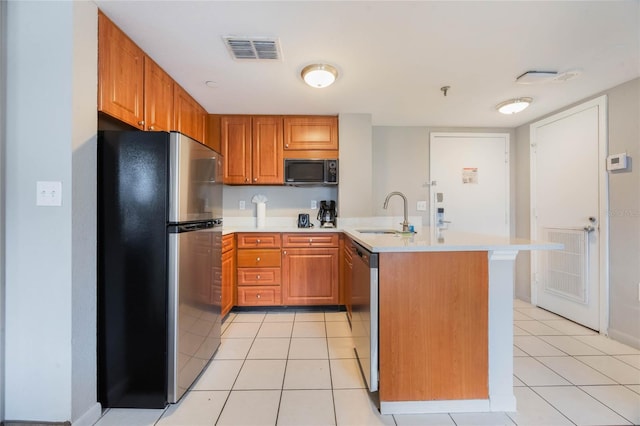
(190, 117)
(158, 97)
(133, 89)
(252, 147)
(311, 136)
(120, 74)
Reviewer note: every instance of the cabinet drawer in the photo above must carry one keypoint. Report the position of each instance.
(259, 276)
(259, 296)
(228, 243)
(310, 240)
(258, 258)
(254, 240)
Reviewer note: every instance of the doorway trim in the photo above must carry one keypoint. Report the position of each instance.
(603, 200)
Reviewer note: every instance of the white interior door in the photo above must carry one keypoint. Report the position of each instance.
(469, 175)
(568, 182)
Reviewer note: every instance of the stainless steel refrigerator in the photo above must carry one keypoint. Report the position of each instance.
(159, 265)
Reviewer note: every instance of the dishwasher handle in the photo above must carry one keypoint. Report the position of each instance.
(370, 259)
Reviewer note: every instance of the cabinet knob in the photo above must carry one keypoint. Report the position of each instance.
(258, 296)
(258, 241)
(258, 277)
(255, 179)
(258, 259)
(284, 253)
(151, 128)
(286, 145)
(310, 240)
(141, 123)
(246, 179)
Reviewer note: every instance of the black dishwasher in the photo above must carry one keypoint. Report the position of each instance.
(364, 324)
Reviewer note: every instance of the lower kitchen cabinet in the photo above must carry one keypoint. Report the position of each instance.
(258, 269)
(228, 273)
(259, 296)
(310, 269)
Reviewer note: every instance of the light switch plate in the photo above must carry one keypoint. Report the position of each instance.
(314, 204)
(48, 193)
(241, 205)
(421, 206)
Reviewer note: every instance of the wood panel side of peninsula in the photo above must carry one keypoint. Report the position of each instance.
(434, 326)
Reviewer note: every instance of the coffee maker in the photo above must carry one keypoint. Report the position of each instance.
(327, 214)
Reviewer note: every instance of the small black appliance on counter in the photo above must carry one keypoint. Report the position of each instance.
(327, 214)
(303, 221)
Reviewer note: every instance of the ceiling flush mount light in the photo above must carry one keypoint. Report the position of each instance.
(513, 106)
(319, 75)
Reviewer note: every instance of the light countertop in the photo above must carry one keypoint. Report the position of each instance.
(424, 240)
(428, 239)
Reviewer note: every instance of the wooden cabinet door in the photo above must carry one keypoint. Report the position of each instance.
(228, 280)
(120, 74)
(158, 97)
(267, 153)
(311, 133)
(310, 276)
(235, 135)
(190, 117)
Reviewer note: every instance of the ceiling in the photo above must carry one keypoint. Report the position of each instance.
(393, 56)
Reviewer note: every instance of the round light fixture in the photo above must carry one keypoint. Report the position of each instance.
(513, 106)
(319, 75)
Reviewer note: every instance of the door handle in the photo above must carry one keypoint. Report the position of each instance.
(590, 228)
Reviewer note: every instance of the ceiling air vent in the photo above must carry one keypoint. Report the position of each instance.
(253, 48)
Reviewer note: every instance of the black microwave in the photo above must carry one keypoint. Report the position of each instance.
(310, 172)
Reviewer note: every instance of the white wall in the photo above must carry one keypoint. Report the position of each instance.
(50, 254)
(356, 165)
(283, 201)
(84, 408)
(3, 86)
(401, 163)
(624, 211)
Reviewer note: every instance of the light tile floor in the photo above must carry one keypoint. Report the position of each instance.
(298, 368)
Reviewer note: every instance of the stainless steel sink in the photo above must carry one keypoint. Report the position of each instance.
(377, 231)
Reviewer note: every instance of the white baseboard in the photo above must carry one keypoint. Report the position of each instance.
(627, 339)
(90, 417)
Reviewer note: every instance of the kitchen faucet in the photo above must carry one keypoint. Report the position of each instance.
(405, 223)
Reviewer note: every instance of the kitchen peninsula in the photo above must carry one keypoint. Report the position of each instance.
(445, 314)
(445, 319)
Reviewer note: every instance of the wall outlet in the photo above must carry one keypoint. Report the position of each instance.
(314, 204)
(48, 193)
(421, 206)
(241, 205)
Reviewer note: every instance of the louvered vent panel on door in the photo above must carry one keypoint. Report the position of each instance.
(253, 48)
(566, 271)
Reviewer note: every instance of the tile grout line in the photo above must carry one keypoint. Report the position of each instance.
(565, 378)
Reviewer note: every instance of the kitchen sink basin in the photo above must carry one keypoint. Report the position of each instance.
(377, 231)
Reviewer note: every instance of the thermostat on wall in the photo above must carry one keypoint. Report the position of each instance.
(617, 162)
